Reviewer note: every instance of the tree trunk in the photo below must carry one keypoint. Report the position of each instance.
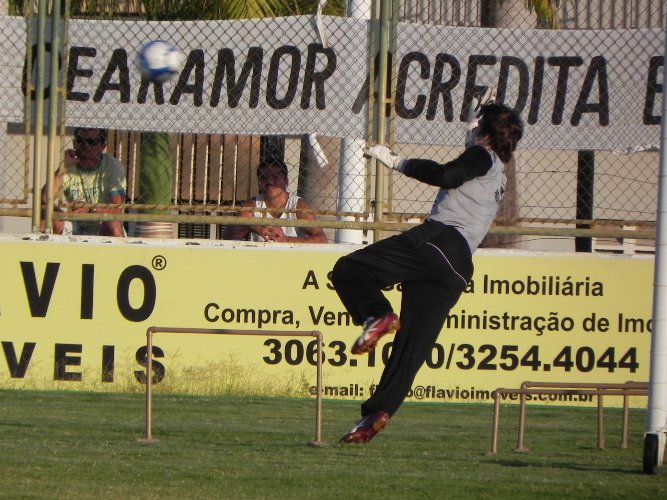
(155, 179)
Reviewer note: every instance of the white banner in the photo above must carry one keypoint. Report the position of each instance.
(574, 89)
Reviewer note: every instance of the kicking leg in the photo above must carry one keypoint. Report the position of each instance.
(424, 308)
(360, 276)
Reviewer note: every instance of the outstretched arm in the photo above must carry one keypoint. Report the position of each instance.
(473, 162)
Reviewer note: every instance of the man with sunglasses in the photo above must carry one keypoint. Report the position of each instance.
(89, 176)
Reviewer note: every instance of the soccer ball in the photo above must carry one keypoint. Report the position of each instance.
(159, 61)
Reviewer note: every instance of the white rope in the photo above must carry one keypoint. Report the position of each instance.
(314, 144)
(319, 24)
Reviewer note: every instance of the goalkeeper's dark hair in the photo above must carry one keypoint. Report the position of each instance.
(504, 127)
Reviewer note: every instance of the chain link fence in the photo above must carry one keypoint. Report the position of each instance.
(301, 84)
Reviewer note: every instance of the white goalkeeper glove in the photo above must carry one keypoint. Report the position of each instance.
(385, 155)
(484, 97)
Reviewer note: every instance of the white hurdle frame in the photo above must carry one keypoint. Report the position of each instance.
(151, 331)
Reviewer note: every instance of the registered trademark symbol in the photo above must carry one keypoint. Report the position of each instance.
(159, 262)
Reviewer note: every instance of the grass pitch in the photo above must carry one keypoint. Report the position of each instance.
(83, 445)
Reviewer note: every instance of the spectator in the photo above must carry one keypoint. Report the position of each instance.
(89, 176)
(272, 179)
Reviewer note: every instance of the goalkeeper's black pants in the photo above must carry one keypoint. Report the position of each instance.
(433, 264)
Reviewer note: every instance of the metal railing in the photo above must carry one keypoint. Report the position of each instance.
(149, 438)
(569, 389)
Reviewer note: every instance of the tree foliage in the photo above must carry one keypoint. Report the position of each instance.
(546, 11)
(187, 10)
(234, 9)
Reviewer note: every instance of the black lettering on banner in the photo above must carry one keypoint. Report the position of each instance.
(536, 96)
(329, 318)
(652, 88)
(207, 310)
(123, 293)
(195, 61)
(362, 96)
(439, 357)
(87, 283)
(158, 368)
(294, 54)
(311, 280)
(564, 64)
(596, 71)
(471, 88)
(312, 353)
(507, 63)
(108, 362)
(73, 71)
(158, 91)
(339, 358)
(17, 368)
(294, 352)
(226, 65)
(444, 88)
(62, 360)
(402, 109)
(275, 350)
(117, 64)
(314, 78)
(24, 79)
(330, 285)
(39, 300)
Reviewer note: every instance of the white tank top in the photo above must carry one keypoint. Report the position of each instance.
(289, 231)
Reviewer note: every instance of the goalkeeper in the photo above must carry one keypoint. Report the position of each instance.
(433, 260)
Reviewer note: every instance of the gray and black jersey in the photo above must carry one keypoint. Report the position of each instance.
(471, 188)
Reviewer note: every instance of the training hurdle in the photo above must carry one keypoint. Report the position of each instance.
(151, 331)
(567, 389)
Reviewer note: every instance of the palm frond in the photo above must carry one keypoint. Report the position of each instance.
(545, 10)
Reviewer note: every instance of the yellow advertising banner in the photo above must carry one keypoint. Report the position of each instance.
(75, 315)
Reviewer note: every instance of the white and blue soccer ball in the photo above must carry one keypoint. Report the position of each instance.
(159, 61)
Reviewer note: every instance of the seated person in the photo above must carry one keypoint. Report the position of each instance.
(89, 176)
(272, 179)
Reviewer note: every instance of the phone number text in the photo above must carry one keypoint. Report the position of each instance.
(462, 356)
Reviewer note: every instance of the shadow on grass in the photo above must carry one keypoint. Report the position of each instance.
(573, 467)
(16, 424)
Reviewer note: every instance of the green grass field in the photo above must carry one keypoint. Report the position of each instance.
(84, 445)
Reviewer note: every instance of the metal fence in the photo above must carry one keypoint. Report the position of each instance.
(586, 77)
